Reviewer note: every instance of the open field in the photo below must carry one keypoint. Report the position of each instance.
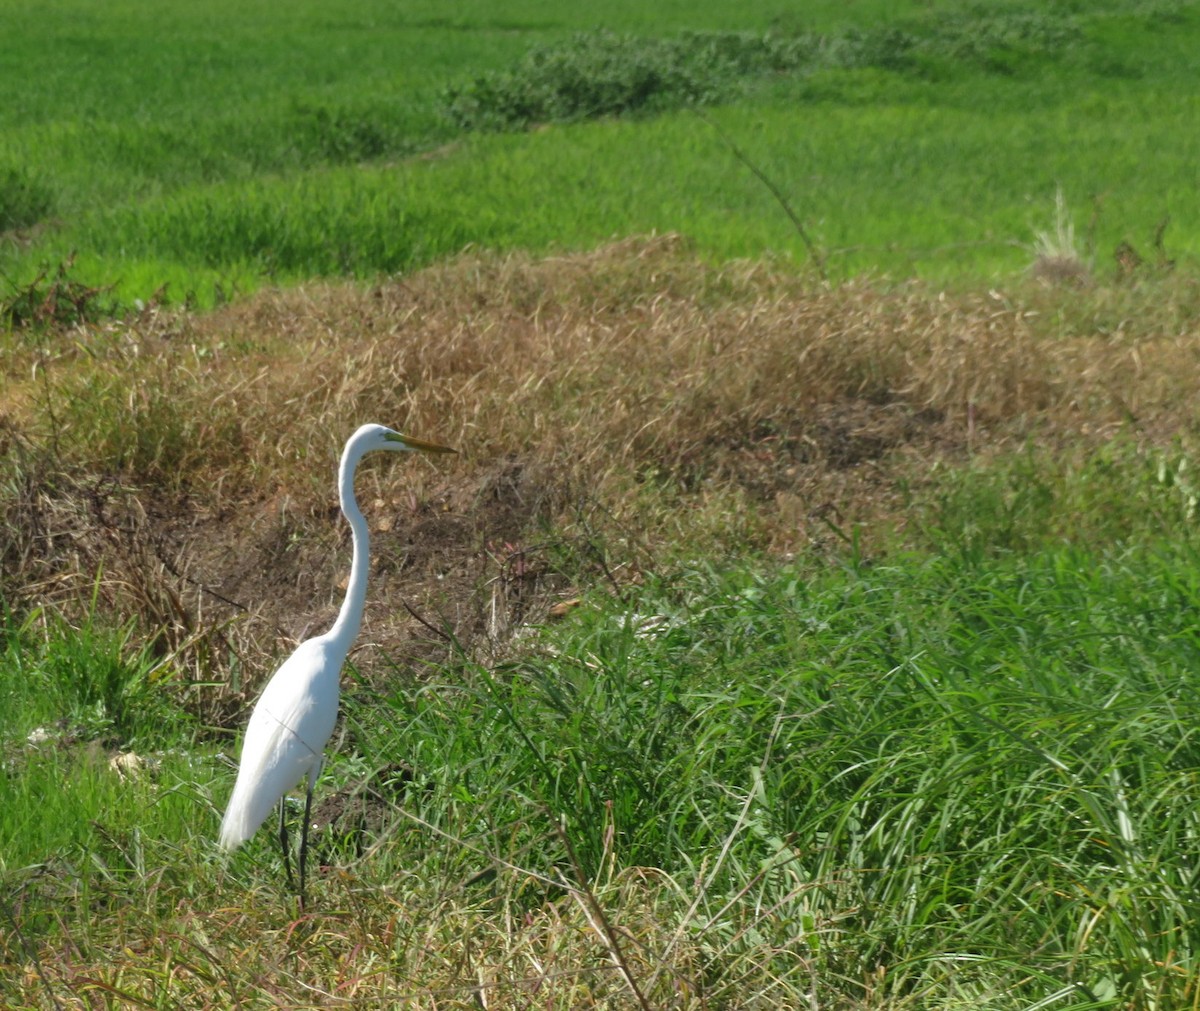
(809, 617)
(210, 156)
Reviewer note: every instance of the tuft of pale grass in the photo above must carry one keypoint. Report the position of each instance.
(1057, 256)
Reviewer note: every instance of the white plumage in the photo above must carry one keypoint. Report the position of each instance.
(295, 715)
(285, 738)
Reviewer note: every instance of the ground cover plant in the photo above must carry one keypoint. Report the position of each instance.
(953, 799)
(604, 739)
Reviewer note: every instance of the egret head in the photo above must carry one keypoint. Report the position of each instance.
(371, 437)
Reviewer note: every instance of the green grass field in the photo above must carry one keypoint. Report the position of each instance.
(215, 152)
(809, 619)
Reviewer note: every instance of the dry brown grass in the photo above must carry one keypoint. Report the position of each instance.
(635, 939)
(549, 959)
(637, 357)
(631, 400)
(597, 365)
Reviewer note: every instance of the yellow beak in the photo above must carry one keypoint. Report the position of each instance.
(419, 444)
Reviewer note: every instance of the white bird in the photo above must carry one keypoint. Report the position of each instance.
(294, 717)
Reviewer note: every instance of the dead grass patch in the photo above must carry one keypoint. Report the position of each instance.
(400, 948)
(621, 407)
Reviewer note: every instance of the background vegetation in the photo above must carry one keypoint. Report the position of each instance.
(210, 152)
(809, 618)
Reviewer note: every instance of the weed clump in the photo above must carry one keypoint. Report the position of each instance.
(1057, 256)
(601, 74)
(55, 297)
(343, 135)
(605, 74)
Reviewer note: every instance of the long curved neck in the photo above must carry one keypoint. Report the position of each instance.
(349, 618)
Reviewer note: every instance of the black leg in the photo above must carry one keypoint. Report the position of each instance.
(304, 839)
(283, 841)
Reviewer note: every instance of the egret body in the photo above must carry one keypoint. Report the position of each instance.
(295, 714)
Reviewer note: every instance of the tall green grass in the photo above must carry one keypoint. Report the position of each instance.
(116, 104)
(96, 682)
(963, 774)
(937, 761)
(912, 145)
(1029, 501)
(939, 197)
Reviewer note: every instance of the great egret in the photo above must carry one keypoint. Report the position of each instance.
(294, 716)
